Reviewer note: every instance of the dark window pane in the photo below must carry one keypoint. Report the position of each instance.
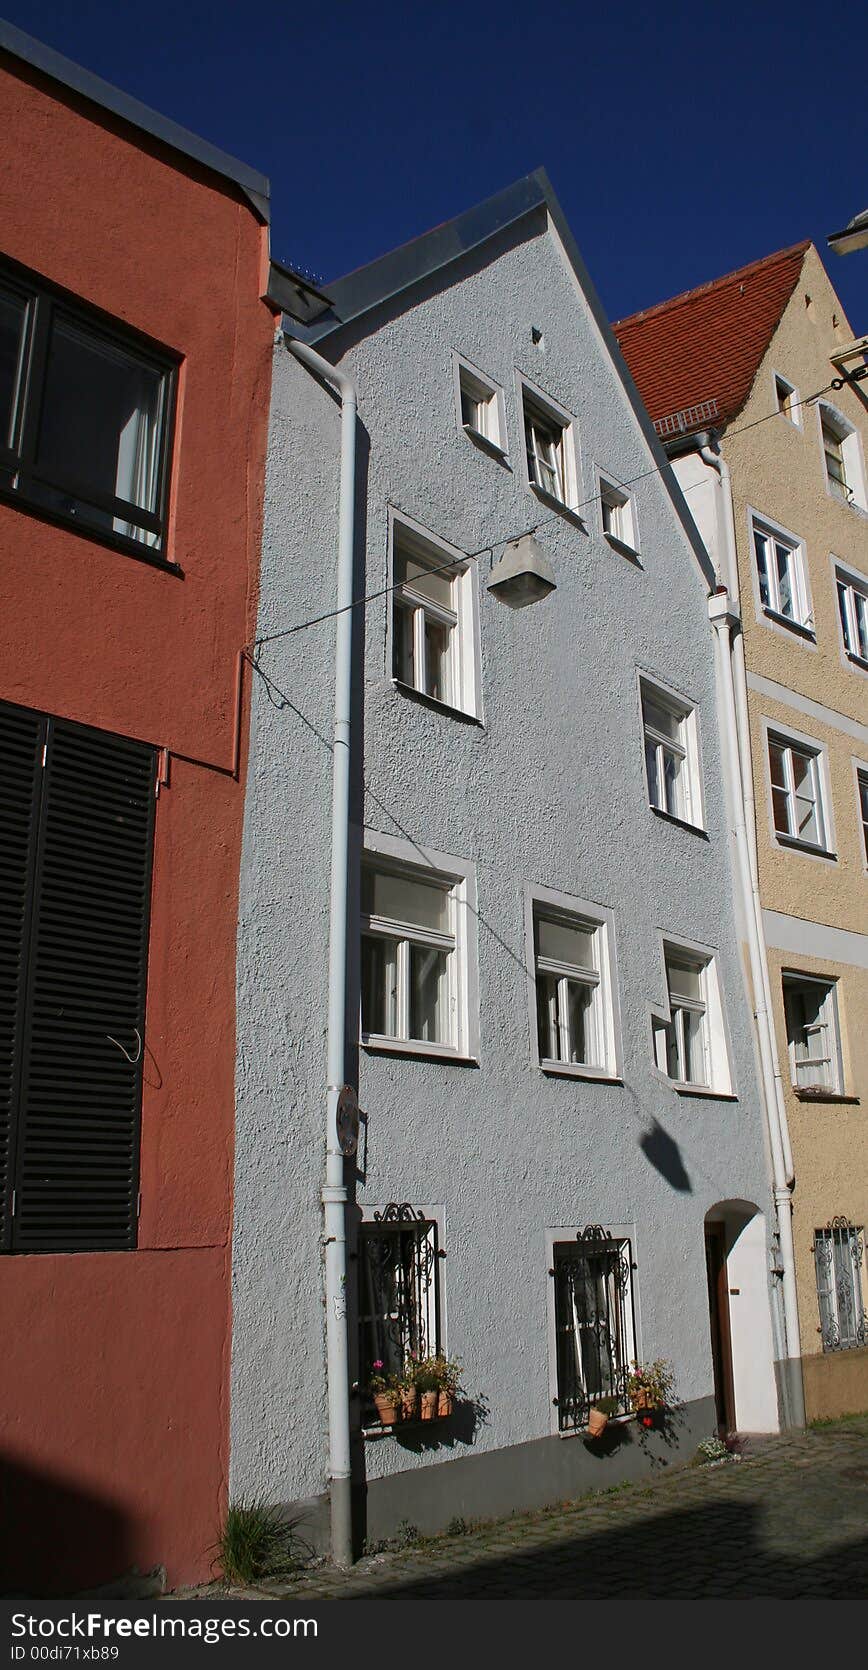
(100, 428)
(13, 318)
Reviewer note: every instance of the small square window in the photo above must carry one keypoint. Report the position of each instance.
(547, 449)
(690, 1047)
(479, 405)
(853, 614)
(786, 400)
(433, 626)
(813, 1039)
(85, 416)
(797, 793)
(842, 456)
(671, 755)
(594, 1328)
(838, 1262)
(781, 573)
(616, 512)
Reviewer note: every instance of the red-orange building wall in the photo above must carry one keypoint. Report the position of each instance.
(114, 1378)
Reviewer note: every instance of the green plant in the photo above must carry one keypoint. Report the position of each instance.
(607, 1405)
(388, 1383)
(435, 1374)
(457, 1527)
(712, 1449)
(653, 1381)
(258, 1543)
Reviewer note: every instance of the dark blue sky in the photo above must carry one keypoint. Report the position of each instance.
(683, 139)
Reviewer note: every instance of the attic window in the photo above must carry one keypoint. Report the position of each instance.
(787, 400)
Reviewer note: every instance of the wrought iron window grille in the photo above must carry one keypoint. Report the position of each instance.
(399, 1291)
(838, 1251)
(594, 1327)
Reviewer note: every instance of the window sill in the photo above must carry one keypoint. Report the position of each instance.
(795, 626)
(492, 448)
(413, 1047)
(375, 1432)
(559, 505)
(584, 1432)
(573, 1070)
(857, 661)
(703, 1092)
(680, 823)
(434, 703)
(820, 1095)
(96, 536)
(623, 549)
(793, 844)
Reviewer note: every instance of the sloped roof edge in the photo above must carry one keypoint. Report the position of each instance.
(255, 186)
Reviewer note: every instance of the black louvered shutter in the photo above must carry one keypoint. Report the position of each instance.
(76, 1137)
(22, 737)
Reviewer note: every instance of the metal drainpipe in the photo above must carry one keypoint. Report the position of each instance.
(334, 1191)
(737, 741)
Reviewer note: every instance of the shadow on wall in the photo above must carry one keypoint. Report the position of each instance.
(665, 1156)
(55, 1538)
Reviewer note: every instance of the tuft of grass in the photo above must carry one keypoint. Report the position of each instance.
(258, 1543)
(837, 1420)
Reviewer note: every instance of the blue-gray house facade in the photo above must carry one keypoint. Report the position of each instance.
(549, 1026)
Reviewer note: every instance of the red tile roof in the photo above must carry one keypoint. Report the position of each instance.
(706, 344)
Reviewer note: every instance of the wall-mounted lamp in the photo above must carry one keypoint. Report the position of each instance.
(523, 575)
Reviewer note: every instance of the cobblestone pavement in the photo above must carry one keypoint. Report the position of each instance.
(789, 1519)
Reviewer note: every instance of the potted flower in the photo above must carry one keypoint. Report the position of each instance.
(599, 1413)
(386, 1394)
(448, 1382)
(427, 1380)
(650, 1386)
(409, 1389)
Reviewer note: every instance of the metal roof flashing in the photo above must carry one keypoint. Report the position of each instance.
(17, 44)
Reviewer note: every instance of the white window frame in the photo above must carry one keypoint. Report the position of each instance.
(827, 1028)
(686, 748)
(851, 600)
(554, 1235)
(783, 736)
(565, 466)
(668, 1019)
(792, 411)
(464, 684)
(852, 1239)
(618, 510)
(778, 538)
(491, 432)
(458, 877)
(550, 903)
(860, 779)
(852, 460)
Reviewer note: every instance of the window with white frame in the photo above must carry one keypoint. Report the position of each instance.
(479, 406)
(797, 792)
(813, 1037)
(671, 754)
(682, 1045)
(399, 1290)
(572, 996)
(842, 457)
(862, 792)
(546, 440)
(409, 941)
(433, 634)
(616, 512)
(786, 399)
(594, 1336)
(838, 1259)
(781, 573)
(853, 613)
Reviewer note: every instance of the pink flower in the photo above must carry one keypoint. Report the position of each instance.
(378, 1363)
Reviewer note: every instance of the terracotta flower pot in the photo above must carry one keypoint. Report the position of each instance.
(410, 1403)
(642, 1399)
(597, 1422)
(430, 1401)
(387, 1407)
(445, 1403)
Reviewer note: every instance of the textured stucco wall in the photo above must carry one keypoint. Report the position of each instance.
(778, 470)
(550, 790)
(114, 1431)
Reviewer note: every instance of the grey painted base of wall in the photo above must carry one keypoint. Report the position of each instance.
(791, 1392)
(496, 1483)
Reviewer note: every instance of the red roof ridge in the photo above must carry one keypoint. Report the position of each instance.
(684, 296)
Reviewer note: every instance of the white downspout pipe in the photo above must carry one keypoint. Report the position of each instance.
(334, 1191)
(736, 748)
